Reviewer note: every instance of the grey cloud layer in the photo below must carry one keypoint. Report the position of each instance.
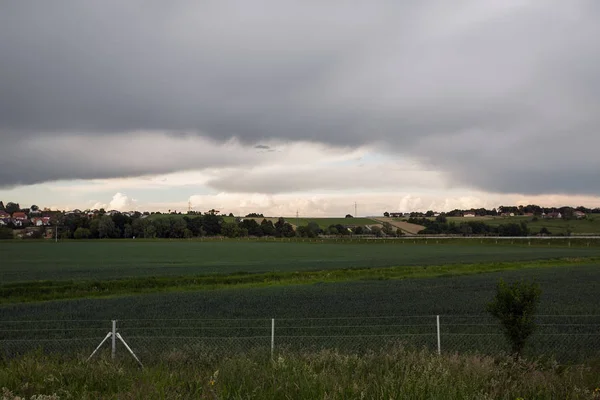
(502, 96)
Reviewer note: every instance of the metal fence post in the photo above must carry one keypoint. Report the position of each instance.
(272, 336)
(438, 336)
(114, 338)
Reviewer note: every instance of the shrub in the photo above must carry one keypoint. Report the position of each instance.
(514, 306)
(82, 233)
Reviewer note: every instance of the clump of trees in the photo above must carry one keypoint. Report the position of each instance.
(167, 226)
(441, 226)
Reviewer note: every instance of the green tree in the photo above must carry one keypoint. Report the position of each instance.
(388, 229)
(545, 231)
(211, 223)
(230, 229)
(82, 233)
(252, 226)
(106, 228)
(376, 230)
(386, 214)
(178, 227)
(34, 208)
(138, 226)
(12, 207)
(515, 305)
(314, 229)
(2, 206)
(283, 229)
(150, 231)
(94, 225)
(267, 227)
(332, 230)
(128, 231)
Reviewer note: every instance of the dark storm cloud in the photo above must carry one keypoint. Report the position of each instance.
(502, 96)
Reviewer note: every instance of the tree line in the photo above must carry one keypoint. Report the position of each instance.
(440, 225)
(530, 209)
(169, 227)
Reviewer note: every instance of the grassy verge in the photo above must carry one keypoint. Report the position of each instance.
(55, 290)
(395, 373)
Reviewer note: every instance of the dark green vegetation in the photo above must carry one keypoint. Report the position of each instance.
(27, 261)
(589, 225)
(307, 375)
(54, 290)
(326, 222)
(566, 290)
(515, 306)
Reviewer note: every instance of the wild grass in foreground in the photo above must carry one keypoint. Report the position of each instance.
(397, 373)
(57, 290)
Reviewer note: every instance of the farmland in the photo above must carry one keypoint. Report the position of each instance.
(589, 225)
(342, 305)
(566, 290)
(92, 260)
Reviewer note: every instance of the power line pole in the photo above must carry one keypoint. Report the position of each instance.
(355, 210)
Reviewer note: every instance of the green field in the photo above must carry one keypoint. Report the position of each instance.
(326, 222)
(566, 290)
(27, 261)
(589, 225)
(347, 295)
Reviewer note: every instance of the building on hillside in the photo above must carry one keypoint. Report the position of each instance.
(578, 214)
(552, 215)
(507, 214)
(469, 214)
(19, 218)
(40, 221)
(396, 214)
(4, 218)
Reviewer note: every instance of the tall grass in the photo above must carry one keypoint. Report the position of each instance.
(392, 374)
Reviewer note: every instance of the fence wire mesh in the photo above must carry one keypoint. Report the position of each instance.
(568, 338)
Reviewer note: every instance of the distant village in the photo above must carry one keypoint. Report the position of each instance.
(34, 222)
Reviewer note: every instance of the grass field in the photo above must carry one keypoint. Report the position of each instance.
(589, 225)
(566, 290)
(347, 296)
(326, 222)
(27, 261)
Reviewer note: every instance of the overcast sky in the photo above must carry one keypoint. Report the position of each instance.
(281, 105)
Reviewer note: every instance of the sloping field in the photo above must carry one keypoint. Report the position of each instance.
(326, 222)
(589, 225)
(411, 229)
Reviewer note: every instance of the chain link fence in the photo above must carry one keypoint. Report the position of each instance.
(568, 338)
